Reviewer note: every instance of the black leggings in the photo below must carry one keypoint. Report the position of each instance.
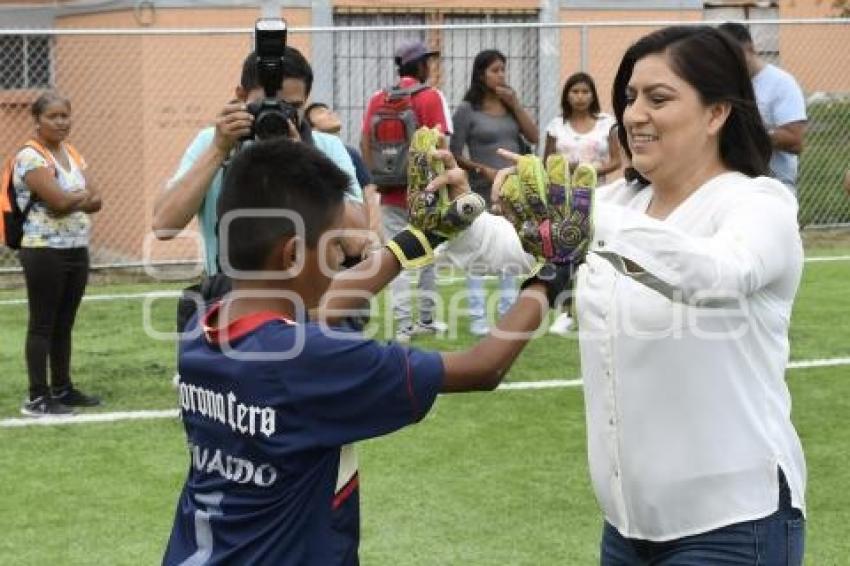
(56, 280)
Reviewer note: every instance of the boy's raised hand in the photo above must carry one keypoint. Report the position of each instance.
(440, 203)
(438, 196)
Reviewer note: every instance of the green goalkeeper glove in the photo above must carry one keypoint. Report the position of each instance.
(434, 216)
(552, 214)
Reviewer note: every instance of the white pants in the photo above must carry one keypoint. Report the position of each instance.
(394, 221)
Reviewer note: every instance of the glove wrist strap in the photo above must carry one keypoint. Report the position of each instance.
(414, 248)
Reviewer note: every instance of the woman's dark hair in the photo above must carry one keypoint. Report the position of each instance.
(295, 66)
(42, 102)
(475, 95)
(573, 80)
(713, 64)
(738, 31)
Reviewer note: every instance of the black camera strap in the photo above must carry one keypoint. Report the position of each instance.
(306, 133)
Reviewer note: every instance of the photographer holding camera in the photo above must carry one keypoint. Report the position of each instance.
(195, 188)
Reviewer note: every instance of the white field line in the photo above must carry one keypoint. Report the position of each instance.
(441, 281)
(89, 418)
(817, 259)
(452, 280)
(544, 384)
(821, 363)
(116, 297)
(172, 413)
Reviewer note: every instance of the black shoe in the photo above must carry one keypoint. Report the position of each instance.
(45, 406)
(73, 397)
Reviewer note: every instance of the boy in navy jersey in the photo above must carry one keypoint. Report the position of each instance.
(272, 399)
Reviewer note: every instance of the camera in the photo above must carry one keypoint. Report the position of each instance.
(270, 113)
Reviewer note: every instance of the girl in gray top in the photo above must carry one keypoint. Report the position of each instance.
(490, 117)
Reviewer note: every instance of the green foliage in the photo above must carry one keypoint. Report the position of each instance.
(842, 8)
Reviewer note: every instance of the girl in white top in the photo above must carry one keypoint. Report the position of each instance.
(582, 132)
(684, 305)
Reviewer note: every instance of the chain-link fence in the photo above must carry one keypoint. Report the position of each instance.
(140, 96)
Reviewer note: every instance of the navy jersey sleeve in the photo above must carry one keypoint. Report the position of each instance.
(347, 390)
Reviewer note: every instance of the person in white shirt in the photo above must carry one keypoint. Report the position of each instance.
(581, 133)
(684, 304)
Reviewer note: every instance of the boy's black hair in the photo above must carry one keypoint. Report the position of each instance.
(278, 174)
(412, 69)
(295, 66)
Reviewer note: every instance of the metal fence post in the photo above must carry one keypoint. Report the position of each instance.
(583, 48)
(322, 53)
(549, 68)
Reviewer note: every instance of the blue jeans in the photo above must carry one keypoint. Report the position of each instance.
(776, 540)
(478, 295)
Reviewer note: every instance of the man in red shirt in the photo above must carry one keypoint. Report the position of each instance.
(413, 60)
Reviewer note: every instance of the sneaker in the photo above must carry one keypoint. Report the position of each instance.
(562, 325)
(73, 397)
(427, 328)
(45, 406)
(479, 327)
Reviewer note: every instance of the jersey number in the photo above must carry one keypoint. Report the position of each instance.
(208, 505)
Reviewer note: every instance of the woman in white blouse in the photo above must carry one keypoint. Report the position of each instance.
(582, 133)
(684, 304)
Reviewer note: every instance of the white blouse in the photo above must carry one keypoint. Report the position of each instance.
(683, 356)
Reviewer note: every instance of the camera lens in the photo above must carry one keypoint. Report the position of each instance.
(270, 123)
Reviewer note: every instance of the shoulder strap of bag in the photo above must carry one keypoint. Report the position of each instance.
(75, 155)
(396, 91)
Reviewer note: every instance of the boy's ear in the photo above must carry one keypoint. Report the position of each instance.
(287, 258)
(287, 254)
